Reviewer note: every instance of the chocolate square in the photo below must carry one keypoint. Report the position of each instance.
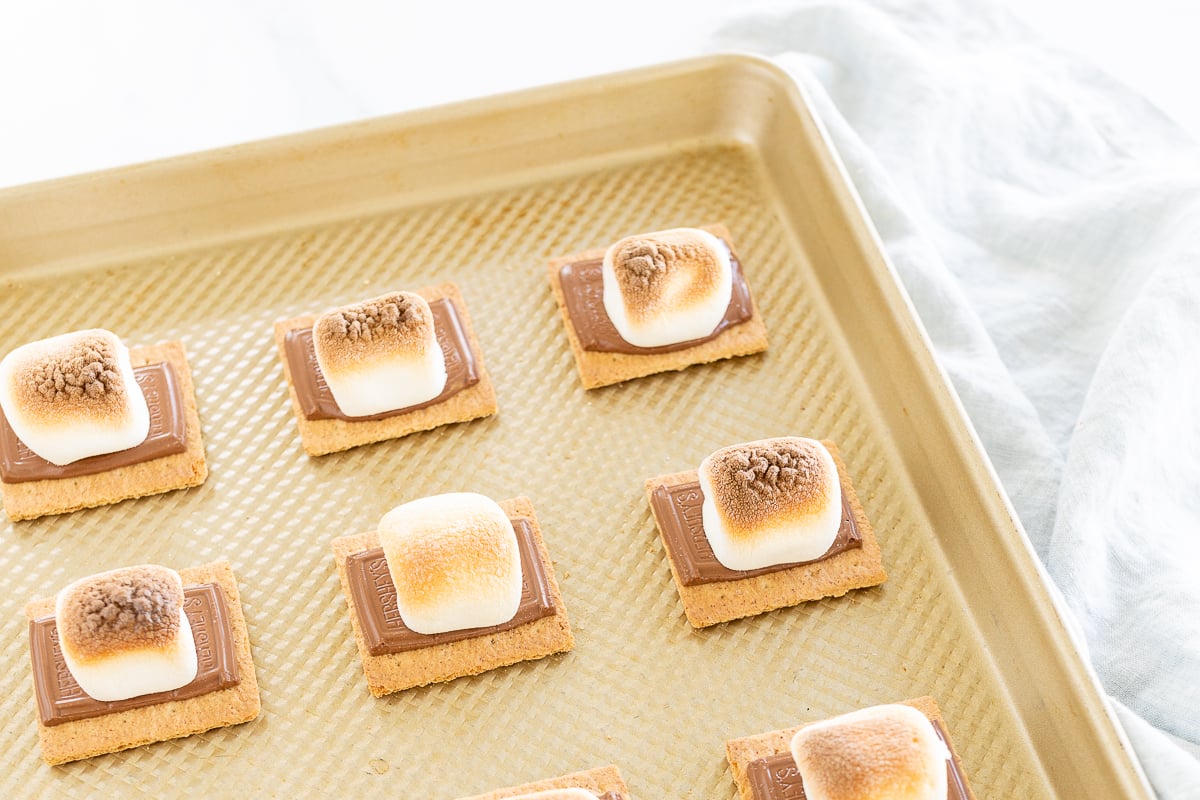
(678, 511)
(167, 436)
(317, 401)
(384, 630)
(60, 699)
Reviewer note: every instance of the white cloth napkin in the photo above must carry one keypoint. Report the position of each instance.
(1046, 222)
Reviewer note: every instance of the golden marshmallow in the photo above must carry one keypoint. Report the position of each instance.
(73, 396)
(381, 354)
(667, 287)
(454, 560)
(772, 501)
(124, 633)
(889, 752)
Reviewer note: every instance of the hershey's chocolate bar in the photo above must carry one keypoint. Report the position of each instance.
(677, 510)
(60, 699)
(583, 293)
(379, 618)
(168, 435)
(316, 401)
(777, 778)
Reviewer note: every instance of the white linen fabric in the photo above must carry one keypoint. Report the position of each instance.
(1046, 222)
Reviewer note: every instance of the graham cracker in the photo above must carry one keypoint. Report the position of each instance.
(598, 369)
(33, 499)
(599, 780)
(396, 672)
(120, 730)
(741, 752)
(323, 436)
(711, 603)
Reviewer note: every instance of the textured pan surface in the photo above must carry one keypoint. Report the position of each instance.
(641, 689)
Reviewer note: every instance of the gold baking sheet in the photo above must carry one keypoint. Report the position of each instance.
(212, 248)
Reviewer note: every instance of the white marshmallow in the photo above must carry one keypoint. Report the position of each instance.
(124, 633)
(73, 396)
(558, 794)
(381, 354)
(772, 501)
(454, 561)
(889, 752)
(667, 287)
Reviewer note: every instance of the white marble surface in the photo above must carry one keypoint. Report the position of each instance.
(93, 85)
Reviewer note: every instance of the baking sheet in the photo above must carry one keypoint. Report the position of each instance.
(184, 250)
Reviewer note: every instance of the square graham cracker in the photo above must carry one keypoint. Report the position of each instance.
(120, 730)
(742, 752)
(711, 603)
(395, 672)
(33, 499)
(324, 436)
(599, 780)
(598, 369)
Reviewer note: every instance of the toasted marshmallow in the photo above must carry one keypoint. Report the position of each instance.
(774, 501)
(667, 287)
(380, 355)
(887, 752)
(73, 396)
(124, 633)
(454, 561)
(558, 794)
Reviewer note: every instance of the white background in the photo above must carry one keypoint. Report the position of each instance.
(85, 86)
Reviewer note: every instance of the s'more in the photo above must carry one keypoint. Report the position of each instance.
(896, 751)
(87, 421)
(448, 586)
(137, 655)
(763, 525)
(383, 368)
(656, 302)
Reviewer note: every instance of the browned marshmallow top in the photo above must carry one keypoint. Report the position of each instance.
(869, 758)
(761, 482)
(134, 607)
(430, 568)
(79, 376)
(398, 321)
(647, 266)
